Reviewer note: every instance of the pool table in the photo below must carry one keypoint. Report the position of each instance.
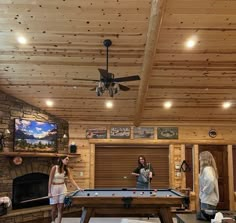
(128, 202)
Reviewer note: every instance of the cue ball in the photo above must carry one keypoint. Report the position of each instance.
(96, 194)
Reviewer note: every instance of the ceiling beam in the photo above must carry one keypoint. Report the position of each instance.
(157, 9)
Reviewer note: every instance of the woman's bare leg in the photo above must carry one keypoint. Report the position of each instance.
(60, 211)
(54, 212)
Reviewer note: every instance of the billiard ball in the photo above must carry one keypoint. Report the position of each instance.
(88, 194)
(96, 194)
(113, 194)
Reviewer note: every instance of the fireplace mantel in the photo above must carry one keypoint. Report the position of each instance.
(37, 154)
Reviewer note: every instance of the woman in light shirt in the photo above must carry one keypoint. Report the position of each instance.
(208, 186)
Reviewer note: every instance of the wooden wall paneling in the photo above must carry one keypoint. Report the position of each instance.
(189, 160)
(177, 179)
(183, 174)
(234, 172)
(234, 165)
(171, 165)
(177, 159)
(231, 177)
(92, 166)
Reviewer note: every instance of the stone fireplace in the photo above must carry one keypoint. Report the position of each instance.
(30, 186)
(30, 179)
(26, 181)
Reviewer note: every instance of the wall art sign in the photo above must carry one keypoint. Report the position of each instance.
(143, 132)
(96, 133)
(167, 133)
(120, 133)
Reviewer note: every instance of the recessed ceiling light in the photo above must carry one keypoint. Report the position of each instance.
(226, 104)
(190, 43)
(49, 103)
(167, 104)
(109, 104)
(22, 40)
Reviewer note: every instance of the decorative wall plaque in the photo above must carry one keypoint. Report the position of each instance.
(167, 133)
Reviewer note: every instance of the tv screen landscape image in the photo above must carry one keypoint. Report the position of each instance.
(34, 136)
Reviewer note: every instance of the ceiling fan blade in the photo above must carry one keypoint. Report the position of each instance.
(129, 78)
(123, 87)
(81, 79)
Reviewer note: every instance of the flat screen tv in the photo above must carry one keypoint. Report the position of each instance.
(34, 136)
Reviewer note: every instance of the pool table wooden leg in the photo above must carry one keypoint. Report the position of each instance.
(165, 215)
(86, 215)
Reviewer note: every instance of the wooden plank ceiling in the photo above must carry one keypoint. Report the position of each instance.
(65, 41)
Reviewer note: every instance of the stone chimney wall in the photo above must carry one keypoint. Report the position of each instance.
(11, 108)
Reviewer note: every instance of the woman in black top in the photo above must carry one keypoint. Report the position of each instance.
(144, 173)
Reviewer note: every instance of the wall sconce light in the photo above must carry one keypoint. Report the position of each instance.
(65, 136)
(64, 139)
(3, 136)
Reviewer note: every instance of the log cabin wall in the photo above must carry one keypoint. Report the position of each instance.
(188, 134)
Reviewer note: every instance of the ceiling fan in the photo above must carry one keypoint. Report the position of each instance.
(107, 81)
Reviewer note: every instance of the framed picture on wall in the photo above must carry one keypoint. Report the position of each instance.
(143, 132)
(120, 133)
(35, 136)
(167, 133)
(96, 133)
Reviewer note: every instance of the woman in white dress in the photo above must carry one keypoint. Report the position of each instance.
(57, 188)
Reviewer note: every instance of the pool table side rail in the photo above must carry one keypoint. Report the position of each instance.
(135, 201)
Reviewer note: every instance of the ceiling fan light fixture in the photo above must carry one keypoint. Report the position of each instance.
(107, 81)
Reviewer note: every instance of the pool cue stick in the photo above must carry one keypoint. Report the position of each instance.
(45, 197)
